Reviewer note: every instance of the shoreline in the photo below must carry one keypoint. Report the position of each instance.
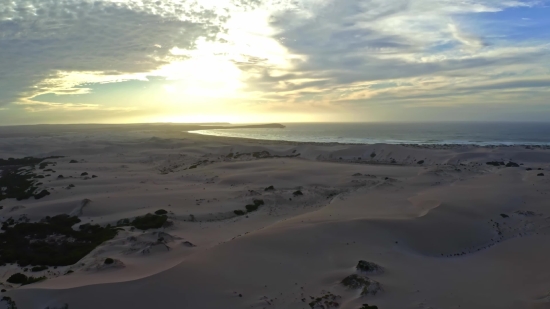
(418, 145)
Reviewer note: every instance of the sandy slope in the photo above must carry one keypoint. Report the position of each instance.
(436, 228)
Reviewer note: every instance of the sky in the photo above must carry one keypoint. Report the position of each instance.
(250, 61)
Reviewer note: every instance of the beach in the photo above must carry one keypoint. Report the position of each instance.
(275, 224)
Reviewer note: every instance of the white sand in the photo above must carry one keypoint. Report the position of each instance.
(430, 226)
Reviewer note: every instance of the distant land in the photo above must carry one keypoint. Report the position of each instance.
(49, 129)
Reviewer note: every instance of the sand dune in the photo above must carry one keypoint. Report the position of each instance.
(449, 230)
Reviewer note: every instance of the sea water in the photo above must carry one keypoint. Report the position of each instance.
(478, 133)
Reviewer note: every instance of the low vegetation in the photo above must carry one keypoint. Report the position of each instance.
(250, 207)
(145, 222)
(369, 286)
(20, 184)
(161, 212)
(368, 267)
(327, 301)
(9, 302)
(20, 278)
(52, 241)
(253, 207)
(367, 306)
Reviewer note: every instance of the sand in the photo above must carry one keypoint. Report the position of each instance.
(435, 228)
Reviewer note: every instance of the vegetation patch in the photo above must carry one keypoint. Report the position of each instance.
(253, 207)
(297, 193)
(10, 303)
(108, 261)
(420, 162)
(20, 278)
(148, 221)
(270, 188)
(19, 184)
(327, 301)
(369, 286)
(367, 306)
(239, 212)
(161, 212)
(368, 267)
(495, 163)
(52, 241)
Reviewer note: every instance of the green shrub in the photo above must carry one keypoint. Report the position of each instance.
(10, 303)
(368, 266)
(161, 212)
(109, 261)
(27, 243)
(123, 222)
(251, 207)
(20, 278)
(149, 221)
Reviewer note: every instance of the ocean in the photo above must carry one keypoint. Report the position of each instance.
(477, 133)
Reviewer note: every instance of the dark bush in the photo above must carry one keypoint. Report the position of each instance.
(367, 306)
(42, 194)
(297, 193)
(512, 164)
(540, 174)
(504, 215)
(420, 162)
(251, 207)
(84, 174)
(149, 221)
(109, 261)
(52, 241)
(367, 266)
(123, 222)
(354, 281)
(20, 278)
(238, 212)
(270, 188)
(73, 161)
(10, 303)
(495, 163)
(161, 212)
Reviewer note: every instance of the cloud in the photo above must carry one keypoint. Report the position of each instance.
(341, 48)
(291, 55)
(40, 39)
